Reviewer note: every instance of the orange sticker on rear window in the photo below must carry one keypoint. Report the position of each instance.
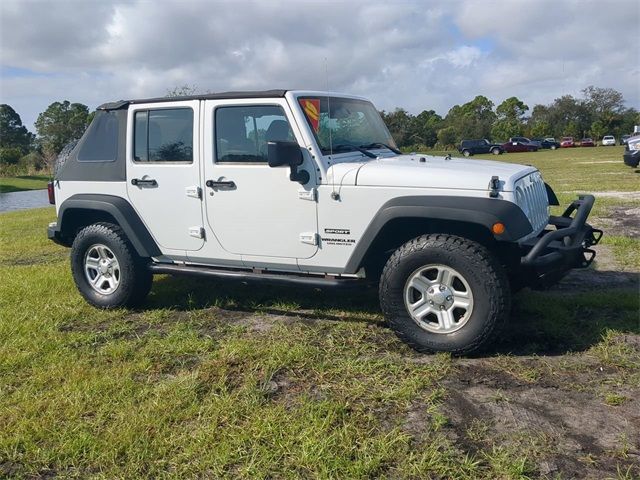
(311, 109)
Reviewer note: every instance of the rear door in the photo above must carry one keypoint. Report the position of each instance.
(163, 174)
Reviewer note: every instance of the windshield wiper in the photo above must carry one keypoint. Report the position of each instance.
(346, 148)
(380, 144)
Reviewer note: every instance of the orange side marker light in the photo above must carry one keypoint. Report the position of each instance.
(498, 228)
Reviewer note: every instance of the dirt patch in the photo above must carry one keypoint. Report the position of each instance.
(606, 275)
(623, 221)
(600, 161)
(34, 260)
(563, 431)
(611, 194)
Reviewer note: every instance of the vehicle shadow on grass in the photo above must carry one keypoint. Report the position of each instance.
(566, 319)
(353, 303)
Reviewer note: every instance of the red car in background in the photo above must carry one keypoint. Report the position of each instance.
(587, 142)
(519, 146)
(567, 142)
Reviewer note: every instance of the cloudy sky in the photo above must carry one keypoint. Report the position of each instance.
(416, 55)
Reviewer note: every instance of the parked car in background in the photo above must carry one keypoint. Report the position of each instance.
(624, 138)
(514, 145)
(587, 142)
(567, 142)
(548, 142)
(535, 142)
(473, 147)
(608, 141)
(631, 154)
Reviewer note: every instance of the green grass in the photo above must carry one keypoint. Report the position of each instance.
(225, 380)
(573, 170)
(26, 182)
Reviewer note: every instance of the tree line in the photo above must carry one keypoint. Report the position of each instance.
(23, 152)
(598, 112)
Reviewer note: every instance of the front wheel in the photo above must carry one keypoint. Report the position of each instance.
(106, 268)
(466, 153)
(553, 147)
(444, 293)
(496, 151)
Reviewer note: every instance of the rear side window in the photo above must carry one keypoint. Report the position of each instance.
(101, 140)
(242, 132)
(163, 135)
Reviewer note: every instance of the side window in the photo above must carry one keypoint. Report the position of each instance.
(242, 132)
(100, 142)
(163, 135)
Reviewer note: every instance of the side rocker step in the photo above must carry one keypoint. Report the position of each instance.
(251, 276)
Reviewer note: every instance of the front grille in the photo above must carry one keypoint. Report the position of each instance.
(531, 197)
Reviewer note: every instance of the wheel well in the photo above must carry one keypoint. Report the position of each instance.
(400, 230)
(75, 219)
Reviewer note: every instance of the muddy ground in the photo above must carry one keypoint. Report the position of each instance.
(572, 414)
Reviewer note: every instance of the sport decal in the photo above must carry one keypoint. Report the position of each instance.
(311, 109)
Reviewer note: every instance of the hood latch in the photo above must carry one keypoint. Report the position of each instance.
(494, 186)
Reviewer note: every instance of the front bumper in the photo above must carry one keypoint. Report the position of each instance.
(554, 252)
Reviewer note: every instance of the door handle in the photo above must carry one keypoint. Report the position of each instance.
(222, 184)
(147, 182)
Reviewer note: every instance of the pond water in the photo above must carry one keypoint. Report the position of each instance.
(23, 200)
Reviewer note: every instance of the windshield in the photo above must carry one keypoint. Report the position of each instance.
(345, 124)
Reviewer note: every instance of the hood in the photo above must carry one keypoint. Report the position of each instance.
(424, 171)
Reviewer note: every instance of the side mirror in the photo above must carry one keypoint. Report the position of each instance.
(287, 153)
(284, 153)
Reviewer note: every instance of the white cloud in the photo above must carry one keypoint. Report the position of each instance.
(417, 55)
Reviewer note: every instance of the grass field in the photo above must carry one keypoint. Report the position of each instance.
(224, 380)
(26, 182)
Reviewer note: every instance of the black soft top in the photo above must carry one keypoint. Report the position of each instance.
(123, 104)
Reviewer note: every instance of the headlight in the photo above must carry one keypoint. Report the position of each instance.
(634, 146)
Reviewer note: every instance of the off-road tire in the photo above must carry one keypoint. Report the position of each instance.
(486, 277)
(135, 278)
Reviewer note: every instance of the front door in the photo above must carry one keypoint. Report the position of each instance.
(253, 209)
(163, 172)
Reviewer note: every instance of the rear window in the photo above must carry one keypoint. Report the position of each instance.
(100, 142)
(163, 135)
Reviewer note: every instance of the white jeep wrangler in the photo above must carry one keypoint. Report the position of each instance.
(308, 188)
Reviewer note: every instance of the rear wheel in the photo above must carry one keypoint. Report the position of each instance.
(444, 293)
(106, 268)
(496, 151)
(553, 147)
(466, 153)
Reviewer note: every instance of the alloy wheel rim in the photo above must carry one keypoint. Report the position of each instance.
(102, 269)
(438, 299)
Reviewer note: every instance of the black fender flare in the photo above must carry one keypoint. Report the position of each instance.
(477, 211)
(123, 213)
